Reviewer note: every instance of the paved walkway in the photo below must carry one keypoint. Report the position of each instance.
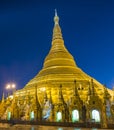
(29, 127)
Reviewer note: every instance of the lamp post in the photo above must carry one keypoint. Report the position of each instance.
(10, 87)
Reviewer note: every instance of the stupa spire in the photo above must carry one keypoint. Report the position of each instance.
(56, 18)
(92, 84)
(55, 12)
(60, 94)
(3, 97)
(57, 30)
(75, 89)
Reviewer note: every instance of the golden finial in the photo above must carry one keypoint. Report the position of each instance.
(56, 30)
(55, 12)
(56, 18)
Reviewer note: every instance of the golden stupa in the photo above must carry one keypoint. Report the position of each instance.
(59, 68)
(61, 91)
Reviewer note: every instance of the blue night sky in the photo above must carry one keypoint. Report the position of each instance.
(26, 34)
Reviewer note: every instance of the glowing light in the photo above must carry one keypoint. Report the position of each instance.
(75, 115)
(32, 115)
(77, 129)
(11, 96)
(59, 116)
(8, 115)
(10, 86)
(60, 129)
(13, 85)
(42, 89)
(96, 115)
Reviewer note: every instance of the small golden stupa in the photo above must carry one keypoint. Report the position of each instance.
(61, 91)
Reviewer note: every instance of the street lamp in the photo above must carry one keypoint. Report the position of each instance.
(11, 87)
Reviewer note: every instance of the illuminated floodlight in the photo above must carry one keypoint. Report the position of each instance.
(8, 86)
(13, 85)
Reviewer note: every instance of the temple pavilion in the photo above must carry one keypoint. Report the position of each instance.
(60, 92)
